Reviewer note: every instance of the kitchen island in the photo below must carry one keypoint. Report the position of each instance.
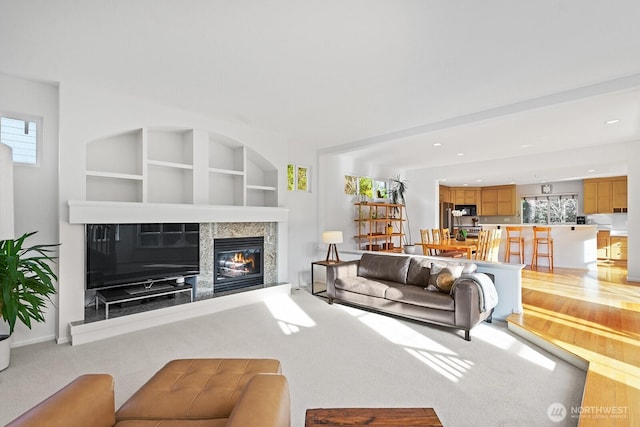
(575, 246)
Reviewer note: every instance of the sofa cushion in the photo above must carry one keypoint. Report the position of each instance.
(417, 295)
(384, 267)
(419, 271)
(443, 276)
(194, 389)
(362, 285)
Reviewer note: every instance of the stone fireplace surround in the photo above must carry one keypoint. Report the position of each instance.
(211, 231)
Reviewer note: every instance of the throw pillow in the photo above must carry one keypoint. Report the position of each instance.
(442, 276)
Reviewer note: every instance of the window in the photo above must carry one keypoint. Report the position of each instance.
(21, 135)
(557, 209)
(298, 178)
(366, 186)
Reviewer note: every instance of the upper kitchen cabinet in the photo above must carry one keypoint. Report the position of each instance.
(605, 195)
(498, 200)
(619, 194)
(178, 165)
(445, 194)
(465, 196)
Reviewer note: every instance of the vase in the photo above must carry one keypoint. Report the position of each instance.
(460, 237)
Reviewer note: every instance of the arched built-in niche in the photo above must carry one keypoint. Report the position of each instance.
(178, 165)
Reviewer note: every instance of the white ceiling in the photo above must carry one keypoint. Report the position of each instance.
(527, 83)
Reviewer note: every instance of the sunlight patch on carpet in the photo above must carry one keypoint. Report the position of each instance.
(504, 341)
(399, 333)
(449, 367)
(289, 315)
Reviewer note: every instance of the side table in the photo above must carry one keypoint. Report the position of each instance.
(325, 264)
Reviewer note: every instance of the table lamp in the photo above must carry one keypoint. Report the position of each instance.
(6, 193)
(332, 237)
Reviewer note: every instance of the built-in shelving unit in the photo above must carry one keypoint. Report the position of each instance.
(178, 165)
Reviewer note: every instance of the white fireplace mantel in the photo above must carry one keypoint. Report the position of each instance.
(92, 212)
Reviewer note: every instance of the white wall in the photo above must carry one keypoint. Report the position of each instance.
(88, 113)
(303, 217)
(35, 187)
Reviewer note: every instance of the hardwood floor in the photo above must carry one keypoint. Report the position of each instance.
(596, 316)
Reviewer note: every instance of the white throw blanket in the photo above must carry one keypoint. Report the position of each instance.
(488, 294)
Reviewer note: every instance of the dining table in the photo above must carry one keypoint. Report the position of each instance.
(447, 245)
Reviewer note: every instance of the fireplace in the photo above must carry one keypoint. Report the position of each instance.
(237, 263)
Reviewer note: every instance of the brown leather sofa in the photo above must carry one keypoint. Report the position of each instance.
(188, 392)
(402, 286)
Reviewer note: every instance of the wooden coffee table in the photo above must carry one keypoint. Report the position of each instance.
(380, 417)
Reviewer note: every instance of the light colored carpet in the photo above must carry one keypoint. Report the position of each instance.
(333, 356)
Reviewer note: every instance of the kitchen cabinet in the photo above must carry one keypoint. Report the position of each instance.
(604, 245)
(498, 200)
(445, 194)
(618, 248)
(605, 195)
(465, 196)
(379, 226)
(619, 194)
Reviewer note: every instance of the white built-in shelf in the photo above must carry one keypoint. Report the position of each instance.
(178, 166)
(261, 187)
(226, 171)
(114, 175)
(169, 164)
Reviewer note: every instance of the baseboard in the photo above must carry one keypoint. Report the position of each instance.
(84, 333)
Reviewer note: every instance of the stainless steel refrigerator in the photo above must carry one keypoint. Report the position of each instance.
(446, 217)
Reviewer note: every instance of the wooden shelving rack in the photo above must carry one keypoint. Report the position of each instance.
(379, 226)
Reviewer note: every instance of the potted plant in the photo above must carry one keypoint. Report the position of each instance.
(398, 190)
(26, 284)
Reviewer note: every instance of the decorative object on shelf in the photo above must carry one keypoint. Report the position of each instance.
(461, 234)
(332, 238)
(389, 229)
(398, 190)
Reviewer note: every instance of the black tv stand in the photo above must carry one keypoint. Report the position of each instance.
(141, 291)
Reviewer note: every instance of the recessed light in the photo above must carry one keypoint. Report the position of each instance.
(460, 154)
(478, 180)
(591, 170)
(465, 185)
(436, 144)
(443, 180)
(526, 145)
(612, 122)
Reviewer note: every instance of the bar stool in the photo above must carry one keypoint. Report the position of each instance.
(542, 237)
(514, 237)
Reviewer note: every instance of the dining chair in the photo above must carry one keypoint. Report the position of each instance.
(425, 238)
(483, 240)
(494, 245)
(437, 236)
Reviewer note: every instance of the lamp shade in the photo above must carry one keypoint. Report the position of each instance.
(332, 237)
(6, 193)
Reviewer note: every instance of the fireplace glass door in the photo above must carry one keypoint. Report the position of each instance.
(238, 263)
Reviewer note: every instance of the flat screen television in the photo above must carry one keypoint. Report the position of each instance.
(124, 254)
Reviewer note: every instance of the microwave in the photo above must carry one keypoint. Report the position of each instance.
(467, 210)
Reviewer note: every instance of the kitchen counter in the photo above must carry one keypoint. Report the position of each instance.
(575, 245)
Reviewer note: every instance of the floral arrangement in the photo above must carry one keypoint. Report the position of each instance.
(457, 214)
